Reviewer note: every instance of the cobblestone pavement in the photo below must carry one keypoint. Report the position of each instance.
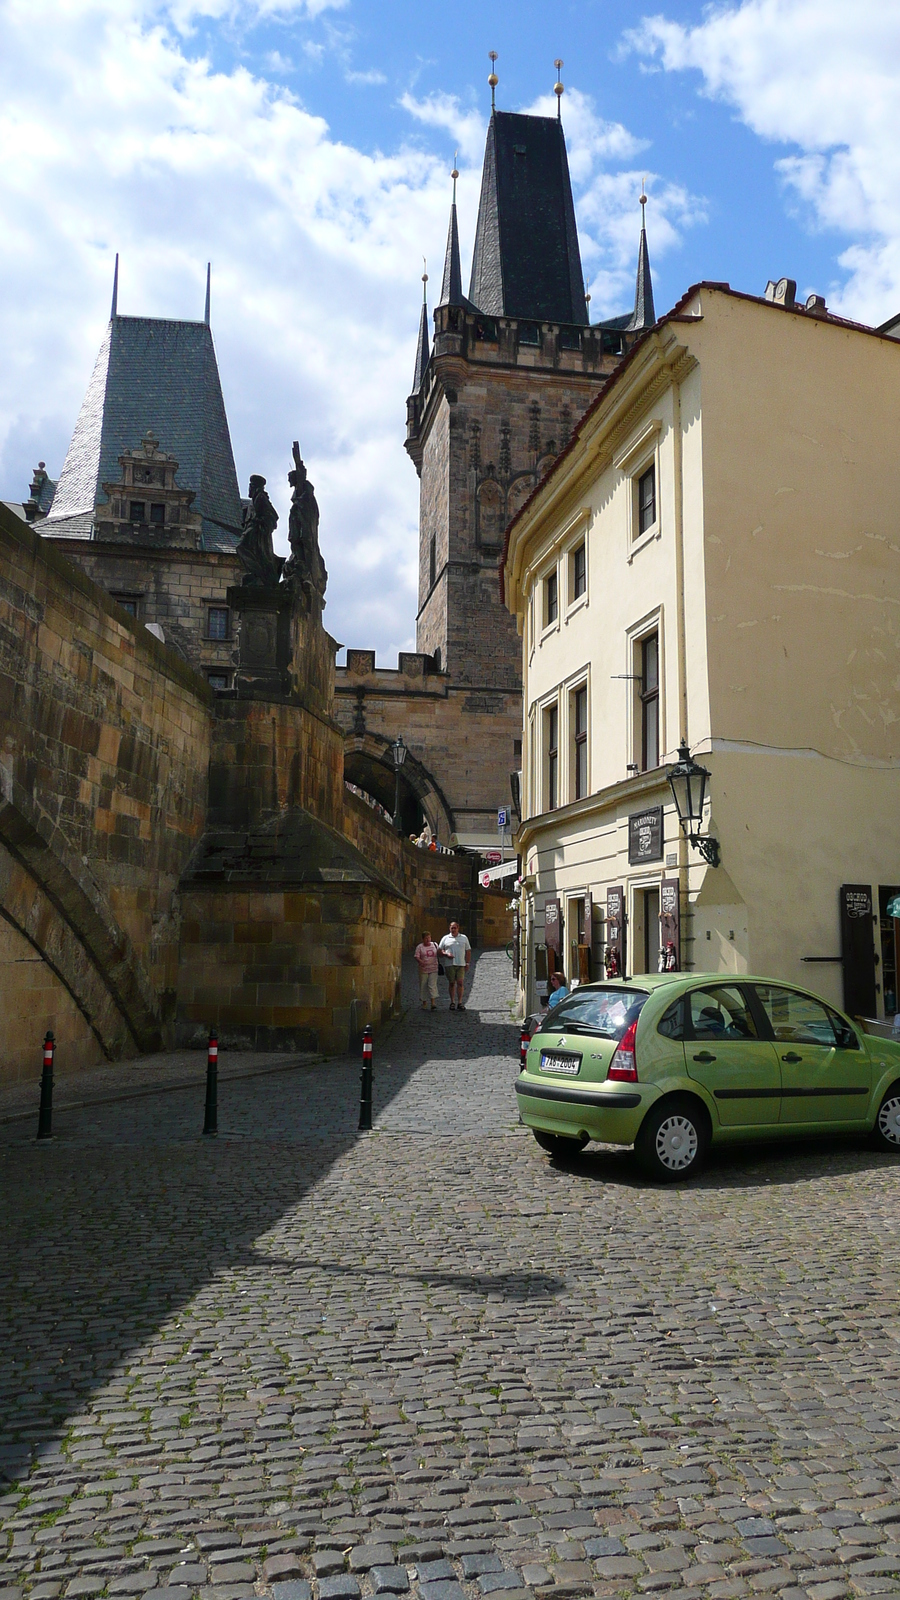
(301, 1363)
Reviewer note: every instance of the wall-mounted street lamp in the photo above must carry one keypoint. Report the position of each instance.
(688, 782)
(398, 753)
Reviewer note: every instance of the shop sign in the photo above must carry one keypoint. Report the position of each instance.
(551, 925)
(645, 836)
(614, 955)
(670, 925)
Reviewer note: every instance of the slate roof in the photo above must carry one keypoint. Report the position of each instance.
(526, 261)
(644, 314)
(162, 375)
(451, 285)
(423, 349)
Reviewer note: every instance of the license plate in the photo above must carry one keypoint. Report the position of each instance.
(559, 1061)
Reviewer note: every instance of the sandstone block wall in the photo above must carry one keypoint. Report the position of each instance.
(174, 588)
(292, 970)
(104, 750)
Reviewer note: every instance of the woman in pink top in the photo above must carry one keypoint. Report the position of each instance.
(426, 955)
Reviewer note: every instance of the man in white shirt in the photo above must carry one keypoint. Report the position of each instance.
(457, 953)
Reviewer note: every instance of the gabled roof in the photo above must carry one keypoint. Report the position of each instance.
(526, 261)
(161, 375)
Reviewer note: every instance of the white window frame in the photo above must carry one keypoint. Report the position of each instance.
(640, 453)
(652, 622)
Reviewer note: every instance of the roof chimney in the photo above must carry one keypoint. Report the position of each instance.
(782, 293)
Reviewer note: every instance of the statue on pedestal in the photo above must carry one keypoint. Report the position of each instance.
(304, 570)
(262, 568)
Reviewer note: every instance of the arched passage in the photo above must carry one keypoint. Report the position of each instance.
(368, 765)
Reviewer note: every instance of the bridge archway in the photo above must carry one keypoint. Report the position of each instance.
(369, 766)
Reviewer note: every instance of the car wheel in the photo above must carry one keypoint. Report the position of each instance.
(886, 1134)
(672, 1141)
(560, 1144)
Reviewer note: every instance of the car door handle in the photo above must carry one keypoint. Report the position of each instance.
(705, 1056)
(792, 1056)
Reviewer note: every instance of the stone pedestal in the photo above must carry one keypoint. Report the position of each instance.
(263, 641)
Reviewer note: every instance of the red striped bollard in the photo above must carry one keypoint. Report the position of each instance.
(524, 1042)
(211, 1120)
(45, 1115)
(365, 1088)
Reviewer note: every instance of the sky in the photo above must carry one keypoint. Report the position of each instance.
(304, 147)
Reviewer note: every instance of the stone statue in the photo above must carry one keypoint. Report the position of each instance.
(262, 568)
(304, 569)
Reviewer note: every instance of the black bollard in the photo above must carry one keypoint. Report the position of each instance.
(524, 1041)
(211, 1120)
(365, 1088)
(45, 1115)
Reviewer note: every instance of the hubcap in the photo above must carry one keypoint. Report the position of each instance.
(677, 1142)
(889, 1120)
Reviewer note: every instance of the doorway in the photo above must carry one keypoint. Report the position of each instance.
(651, 930)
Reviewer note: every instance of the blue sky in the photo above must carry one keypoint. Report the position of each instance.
(304, 146)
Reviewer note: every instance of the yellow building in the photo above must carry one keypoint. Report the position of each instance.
(715, 560)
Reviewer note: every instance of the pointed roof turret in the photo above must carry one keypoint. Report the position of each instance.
(451, 286)
(423, 349)
(114, 308)
(526, 261)
(644, 313)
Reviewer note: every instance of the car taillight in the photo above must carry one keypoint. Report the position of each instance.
(623, 1066)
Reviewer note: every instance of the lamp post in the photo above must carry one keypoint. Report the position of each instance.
(398, 752)
(688, 782)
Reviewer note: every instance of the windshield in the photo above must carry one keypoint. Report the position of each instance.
(607, 1012)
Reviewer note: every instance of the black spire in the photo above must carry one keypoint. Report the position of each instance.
(451, 287)
(526, 261)
(423, 350)
(644, 314)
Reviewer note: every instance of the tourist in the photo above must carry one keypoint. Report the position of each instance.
(457, 953)
(426, 955)
(558, 990)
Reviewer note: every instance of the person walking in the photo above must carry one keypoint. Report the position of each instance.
(426, 955)
(457, 953)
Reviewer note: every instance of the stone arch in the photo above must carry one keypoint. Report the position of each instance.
(519, 490)
(51, 898)
(489, 500)
(367, 763)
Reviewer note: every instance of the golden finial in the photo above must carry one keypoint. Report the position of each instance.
(587, 299)
(643, 198)
(454, 174)
(424, 280)
(558, 88)
(493, 80)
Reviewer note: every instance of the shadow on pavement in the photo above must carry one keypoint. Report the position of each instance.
(509, 1285)
(739, 1166)
(123, 1218)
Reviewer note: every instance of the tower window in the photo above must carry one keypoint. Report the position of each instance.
(128, 602)
(647, 499)
(137, 511)
(157, 513)
(218, 619)
(551, 599)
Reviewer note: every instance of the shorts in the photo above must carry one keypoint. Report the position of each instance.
(428, 988)
(454, 974)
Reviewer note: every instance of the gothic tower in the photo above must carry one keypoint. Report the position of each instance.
(512, 369)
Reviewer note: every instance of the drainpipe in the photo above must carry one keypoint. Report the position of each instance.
(685, 917)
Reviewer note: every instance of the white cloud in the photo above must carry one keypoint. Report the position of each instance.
(466, 128)
(817, 75)
(125, 141)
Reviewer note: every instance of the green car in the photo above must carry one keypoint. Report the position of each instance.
(675, 1063)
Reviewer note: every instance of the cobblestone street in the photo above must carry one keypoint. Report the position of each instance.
(315, 1365)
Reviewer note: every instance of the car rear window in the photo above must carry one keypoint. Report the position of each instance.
(606, 1012)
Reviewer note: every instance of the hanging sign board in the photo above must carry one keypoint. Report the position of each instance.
(645, 836)
(614, 956)
(858, 949)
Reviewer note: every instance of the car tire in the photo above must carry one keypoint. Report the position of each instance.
(673, 1140)
(560, 1144)
(886, 1133)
